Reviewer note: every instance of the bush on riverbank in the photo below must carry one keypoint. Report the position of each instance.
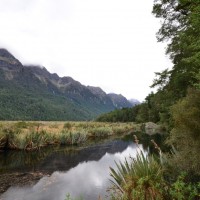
(142, 178)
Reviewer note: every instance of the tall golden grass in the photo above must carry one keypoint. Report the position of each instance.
(35, 135)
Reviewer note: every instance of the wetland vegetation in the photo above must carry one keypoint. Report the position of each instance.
(35, 135)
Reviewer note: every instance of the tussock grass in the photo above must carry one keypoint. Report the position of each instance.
(34, 135)
(101, 131)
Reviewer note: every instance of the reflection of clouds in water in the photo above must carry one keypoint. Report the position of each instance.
(88, 178)
(125, 154)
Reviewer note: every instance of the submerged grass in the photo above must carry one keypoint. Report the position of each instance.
(34, 135)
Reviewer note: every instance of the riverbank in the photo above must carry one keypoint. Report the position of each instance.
(31, 136)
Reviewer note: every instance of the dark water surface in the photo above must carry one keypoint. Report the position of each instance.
(79, 171)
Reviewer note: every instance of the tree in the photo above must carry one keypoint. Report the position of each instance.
(185, 135)
(180, 86)
(181, 27)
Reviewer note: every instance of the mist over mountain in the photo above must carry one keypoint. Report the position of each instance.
(134, 102)
(29, 92)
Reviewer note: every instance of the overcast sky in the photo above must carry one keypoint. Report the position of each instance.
(105, 43)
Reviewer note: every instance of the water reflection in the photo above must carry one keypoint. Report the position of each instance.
(57, 158)
(89, 177)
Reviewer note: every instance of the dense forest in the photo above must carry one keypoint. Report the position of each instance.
(176, 104)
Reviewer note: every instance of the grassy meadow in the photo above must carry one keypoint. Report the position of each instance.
(22, 135)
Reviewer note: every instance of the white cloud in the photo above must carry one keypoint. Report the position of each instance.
(107, 43)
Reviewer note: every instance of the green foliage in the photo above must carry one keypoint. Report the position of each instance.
(185, 136)
(144, 112)
(67, 125)
(162, 80)
(142, 115)
(32, 136)
(180, 26)
(145, 177)
(26, 98)
(197, 85)
(142, 178)
(38, 106)
(180, 190)
(72, 137)
(123, 115)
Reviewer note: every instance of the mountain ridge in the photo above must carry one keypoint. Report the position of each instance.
(46, 94)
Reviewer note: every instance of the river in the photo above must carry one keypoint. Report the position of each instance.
(78, 171)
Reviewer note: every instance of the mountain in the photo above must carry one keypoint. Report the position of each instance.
(134, 102)
(32, 93)
(119, 101)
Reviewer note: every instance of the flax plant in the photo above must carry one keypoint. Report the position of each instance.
(139, 179)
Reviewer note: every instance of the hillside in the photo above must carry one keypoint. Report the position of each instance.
(33, 93)
(119, 101)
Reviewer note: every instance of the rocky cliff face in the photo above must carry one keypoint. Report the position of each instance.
(26, 85)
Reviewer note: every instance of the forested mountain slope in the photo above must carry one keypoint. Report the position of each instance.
(33, 93)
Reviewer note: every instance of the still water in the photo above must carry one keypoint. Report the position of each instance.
(79, 171)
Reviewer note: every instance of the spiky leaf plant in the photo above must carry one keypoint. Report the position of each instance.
(141, 178)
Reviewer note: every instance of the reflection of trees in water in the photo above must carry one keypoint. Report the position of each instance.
(63, 158)
(145, 140)
(58, 161)
(11, 160)
(58, 157)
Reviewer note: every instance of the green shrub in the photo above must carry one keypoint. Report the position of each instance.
(67, 125)
(185, 136)
(180, 190)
